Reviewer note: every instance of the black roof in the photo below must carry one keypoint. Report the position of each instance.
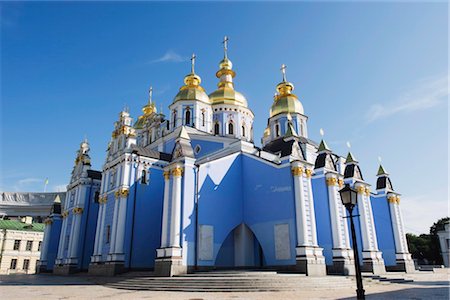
(284, 147)
(321, 161)
(384, 182)
(151, 153)
(94, 174)
(353, 170)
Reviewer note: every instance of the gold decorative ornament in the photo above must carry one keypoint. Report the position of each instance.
(177, 172)
(77, 210)
(48, 221)
(297, 171)
(398, 199)
(166, 175)
(308, 173)
(367, 191)
(361, 189)
(65, 214)
(121, 193)
(392, 199)
(341, 183)
(331, 181)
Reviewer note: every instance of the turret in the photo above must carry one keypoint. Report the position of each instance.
(191, 106)
(285, 103)
(232, 117)
(148, 125)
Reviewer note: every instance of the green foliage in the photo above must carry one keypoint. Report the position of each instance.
(425, 247)
(439, 225)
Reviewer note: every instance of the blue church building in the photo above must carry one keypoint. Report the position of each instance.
(191, 191)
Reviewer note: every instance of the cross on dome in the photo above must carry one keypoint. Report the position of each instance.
(225, 45)
(150, 93)
(193, 62)
(283, 71)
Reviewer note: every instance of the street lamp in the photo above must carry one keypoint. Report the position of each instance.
(349, 198)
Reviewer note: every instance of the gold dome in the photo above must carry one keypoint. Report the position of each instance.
(192, 90)
(286, 101)
(227, 95)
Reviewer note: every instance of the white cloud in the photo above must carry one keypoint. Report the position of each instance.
(421, 211)
(27, 181)
(429, 93)
(170, 56)
(59, 188)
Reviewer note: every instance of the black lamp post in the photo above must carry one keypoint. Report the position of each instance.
(349, 198)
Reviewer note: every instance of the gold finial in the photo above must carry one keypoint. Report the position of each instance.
(283, 71)
(193, 63)
(150, 93)
(225, 46)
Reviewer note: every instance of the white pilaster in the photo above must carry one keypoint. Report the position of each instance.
(165, 216)
(312, 210)
(300, 209)
(336, 214)
(114, 226)
(118, 249)
(176, 208)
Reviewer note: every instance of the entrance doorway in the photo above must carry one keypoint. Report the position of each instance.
(240, 249)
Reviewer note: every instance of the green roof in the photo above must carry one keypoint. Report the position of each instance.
(17, 225)
(323, 146)
(350, 158)
(381, 171)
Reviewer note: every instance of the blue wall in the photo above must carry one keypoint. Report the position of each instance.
(206, 147)
(247, 195)
(383, 226)
(52, 251)
(144, 207)
(322, 210)
(87, 229)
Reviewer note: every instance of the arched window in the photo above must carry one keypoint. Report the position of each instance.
(168, 125)
(243, 130)
(216, 128)
(230, 128)
(203, 118)
(174, 121)
(277, 130)
(187, 117)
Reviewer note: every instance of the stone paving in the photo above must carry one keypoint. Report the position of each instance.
(426, 285)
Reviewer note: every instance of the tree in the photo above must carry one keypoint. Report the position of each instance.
(425, 247)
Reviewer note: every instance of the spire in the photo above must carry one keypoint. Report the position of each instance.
(225, 73)
(323, 146)
(350, 158)
(150, 107)
(381, 171)
(192, 79)
(284, 88)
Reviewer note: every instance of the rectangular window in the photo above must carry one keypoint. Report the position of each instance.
(26, 264)
(29, 245)
(108, 234)
(13, 264)
(39, 246)
(16, 244)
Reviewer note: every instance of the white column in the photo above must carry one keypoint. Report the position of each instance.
(365, 220)
(336, 214)
(176, 208)
(114, 226)
(165, 216)
(102, 227)
(300, 210)
(120, 236)
(396, 224)
(311, 209)
(402, 228)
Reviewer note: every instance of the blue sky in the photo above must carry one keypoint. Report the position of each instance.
(374, 74)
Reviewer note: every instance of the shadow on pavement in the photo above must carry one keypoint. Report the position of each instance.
(412, 293)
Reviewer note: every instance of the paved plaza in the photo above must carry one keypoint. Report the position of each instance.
(426, 285)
